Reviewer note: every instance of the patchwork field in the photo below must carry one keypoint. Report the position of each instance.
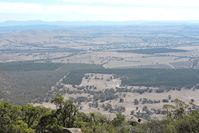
(130, 46)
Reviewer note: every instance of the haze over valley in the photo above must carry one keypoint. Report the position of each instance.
(132, 68)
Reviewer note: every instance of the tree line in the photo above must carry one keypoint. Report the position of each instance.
(30, 119)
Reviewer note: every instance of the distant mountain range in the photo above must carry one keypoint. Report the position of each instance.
(90, 23)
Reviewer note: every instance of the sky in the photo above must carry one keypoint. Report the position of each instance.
(99, 10)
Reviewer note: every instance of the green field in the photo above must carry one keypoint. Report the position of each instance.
(153, 50)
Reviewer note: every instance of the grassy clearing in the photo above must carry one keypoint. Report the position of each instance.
(147, 77)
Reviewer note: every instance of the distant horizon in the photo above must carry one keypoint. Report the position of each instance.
(100, 21)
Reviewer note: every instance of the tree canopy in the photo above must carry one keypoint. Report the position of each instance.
(30, 119)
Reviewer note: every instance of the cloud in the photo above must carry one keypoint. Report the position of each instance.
(151, 3)
(93, 10)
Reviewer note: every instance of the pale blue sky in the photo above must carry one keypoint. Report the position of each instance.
(98, 10)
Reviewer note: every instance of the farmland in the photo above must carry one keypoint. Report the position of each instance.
(107, 69)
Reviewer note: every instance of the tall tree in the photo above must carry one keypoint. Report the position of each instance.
(67, 114)
(58, 101)
(31, 115)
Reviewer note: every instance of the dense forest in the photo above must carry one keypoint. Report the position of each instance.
(142, 76)
(24, 82)
(30, 119)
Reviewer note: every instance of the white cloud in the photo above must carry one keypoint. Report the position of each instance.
(172, 3)
(89, 10)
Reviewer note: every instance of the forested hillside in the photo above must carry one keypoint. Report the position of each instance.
(23, 82)
(30, 119)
